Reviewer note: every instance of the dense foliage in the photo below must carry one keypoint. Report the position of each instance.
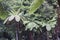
(45, 15)
(35, 14)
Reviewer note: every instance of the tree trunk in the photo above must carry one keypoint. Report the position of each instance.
(31, 35)
(17, 31)
(57, 28)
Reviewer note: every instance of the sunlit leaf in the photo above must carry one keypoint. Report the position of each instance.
(31, 25)
(11, 17)
(48, 27)
(35, 5)
(17, 18)
(1, 0)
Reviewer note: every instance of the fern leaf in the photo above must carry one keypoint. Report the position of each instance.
(35, 5)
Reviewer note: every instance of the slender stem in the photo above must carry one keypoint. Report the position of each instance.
(31, 36)
(48, 35)
(17, 35)
(17, 31)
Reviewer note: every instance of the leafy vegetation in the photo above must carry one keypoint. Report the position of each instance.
(35, 14)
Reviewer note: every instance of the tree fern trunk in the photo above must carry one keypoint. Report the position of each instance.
(17, 31)
(31, 36)
(57, 28)
(48, 35)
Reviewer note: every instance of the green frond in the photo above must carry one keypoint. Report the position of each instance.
(35, 5)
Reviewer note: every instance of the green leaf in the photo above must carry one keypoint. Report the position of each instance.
(25, 22)
(3, 16)
(41, 23)
(35, 5)
(3, 13)
(1, 0)
(31, 25)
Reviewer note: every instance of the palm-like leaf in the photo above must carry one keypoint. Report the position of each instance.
(35, 5)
